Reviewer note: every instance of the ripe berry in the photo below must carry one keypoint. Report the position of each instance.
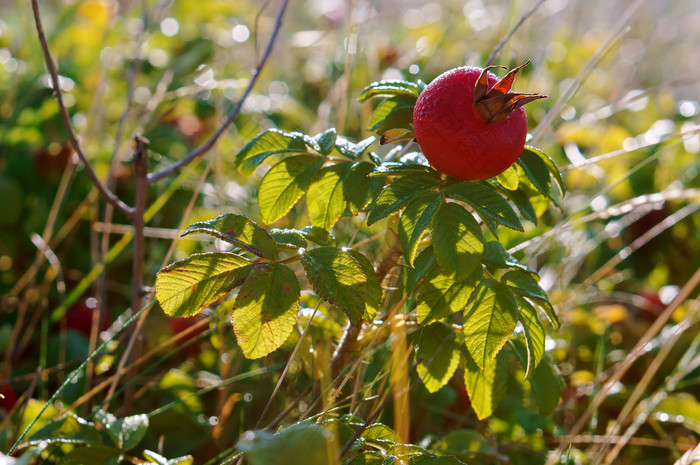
(469, 124)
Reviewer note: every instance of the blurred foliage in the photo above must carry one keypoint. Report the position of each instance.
(172, 78)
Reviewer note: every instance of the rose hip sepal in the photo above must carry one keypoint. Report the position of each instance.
(469, 124)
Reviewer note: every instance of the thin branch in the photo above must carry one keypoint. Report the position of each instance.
(108, 195)
(206, 146)
(524, 18)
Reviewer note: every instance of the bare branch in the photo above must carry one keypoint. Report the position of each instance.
(108, 195)
(206, 146)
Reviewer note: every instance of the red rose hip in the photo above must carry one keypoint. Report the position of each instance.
(469, 124)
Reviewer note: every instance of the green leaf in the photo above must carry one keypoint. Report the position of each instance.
(438, 355)
(551, 166)
(398, 194)
(95, 455)
(126, 433)
(389, 88)
(489, 320)
(523, 204)
(547, 386)
(69, 429)
(238, 230)
(270, 142)
(318, 235)
(188, 286)
(524, 284)
(359, 188)
(324, 200)
(288, 238)
(442, 295)
(537, 172)
(374, 287)
(303, 442)
(394, 112)
(457, 240)
(395, 168)
(326, 140)
(422, 265)
(415, 221)
(160, 460)
(486, 387)
(338, 278)
(534, 335)
(352, 150)
(486, 201)
(496, 256)
(266, 309)
(509, 178)
(284, 184)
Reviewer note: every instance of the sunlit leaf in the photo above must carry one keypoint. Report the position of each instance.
(438, 355)
(509, 178)
(270, 142)
(188, 286)
(353, 150)
(266, 309)
(324, 200)
(284, 184)
(288, 238)
(422, 265)
(238, 230)
(486, 201)
(524, 284)
(398, 194)
(374, 287)
(318, 236)
(69, 429)
(489, 320)
(537, 172)
(394, 168)
(389, 88)
(394, 112)
(681, 406)
(396, 135)
(486, 386)
(534, 335)
(326, 140)
(551, 166)
(442, 295)
(415, 221)
(126, 433)
(457, 240)
(338, 278)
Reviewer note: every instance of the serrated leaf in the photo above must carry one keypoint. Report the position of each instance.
(496, 256)
(524, 284)
(394, 168)
(457, 240)
(126, 433)
(422, 265)
(442, 295)
(284, 184)
(188, 286)
(389, 88)
(318, 235)
(374, 287)
(551, 166)
(289, 238)
(546, 382)
(324, 200)
(523, 204)
(486, 201)
(489, 320)
(69, 429)
(359, 188)
(534, 335)
(352, 150)
(338, 278)
(398, 194)
(537, 172)
(509, 178)
(486, 387)
(438, 355)
(415, 221)
(394, 112)
(326, 140)
(270, 142)
(95, 455)
(266, 309)
(238, 230)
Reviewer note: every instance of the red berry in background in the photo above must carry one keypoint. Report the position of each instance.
(8, 397)
(469, 124)
(79, 316)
